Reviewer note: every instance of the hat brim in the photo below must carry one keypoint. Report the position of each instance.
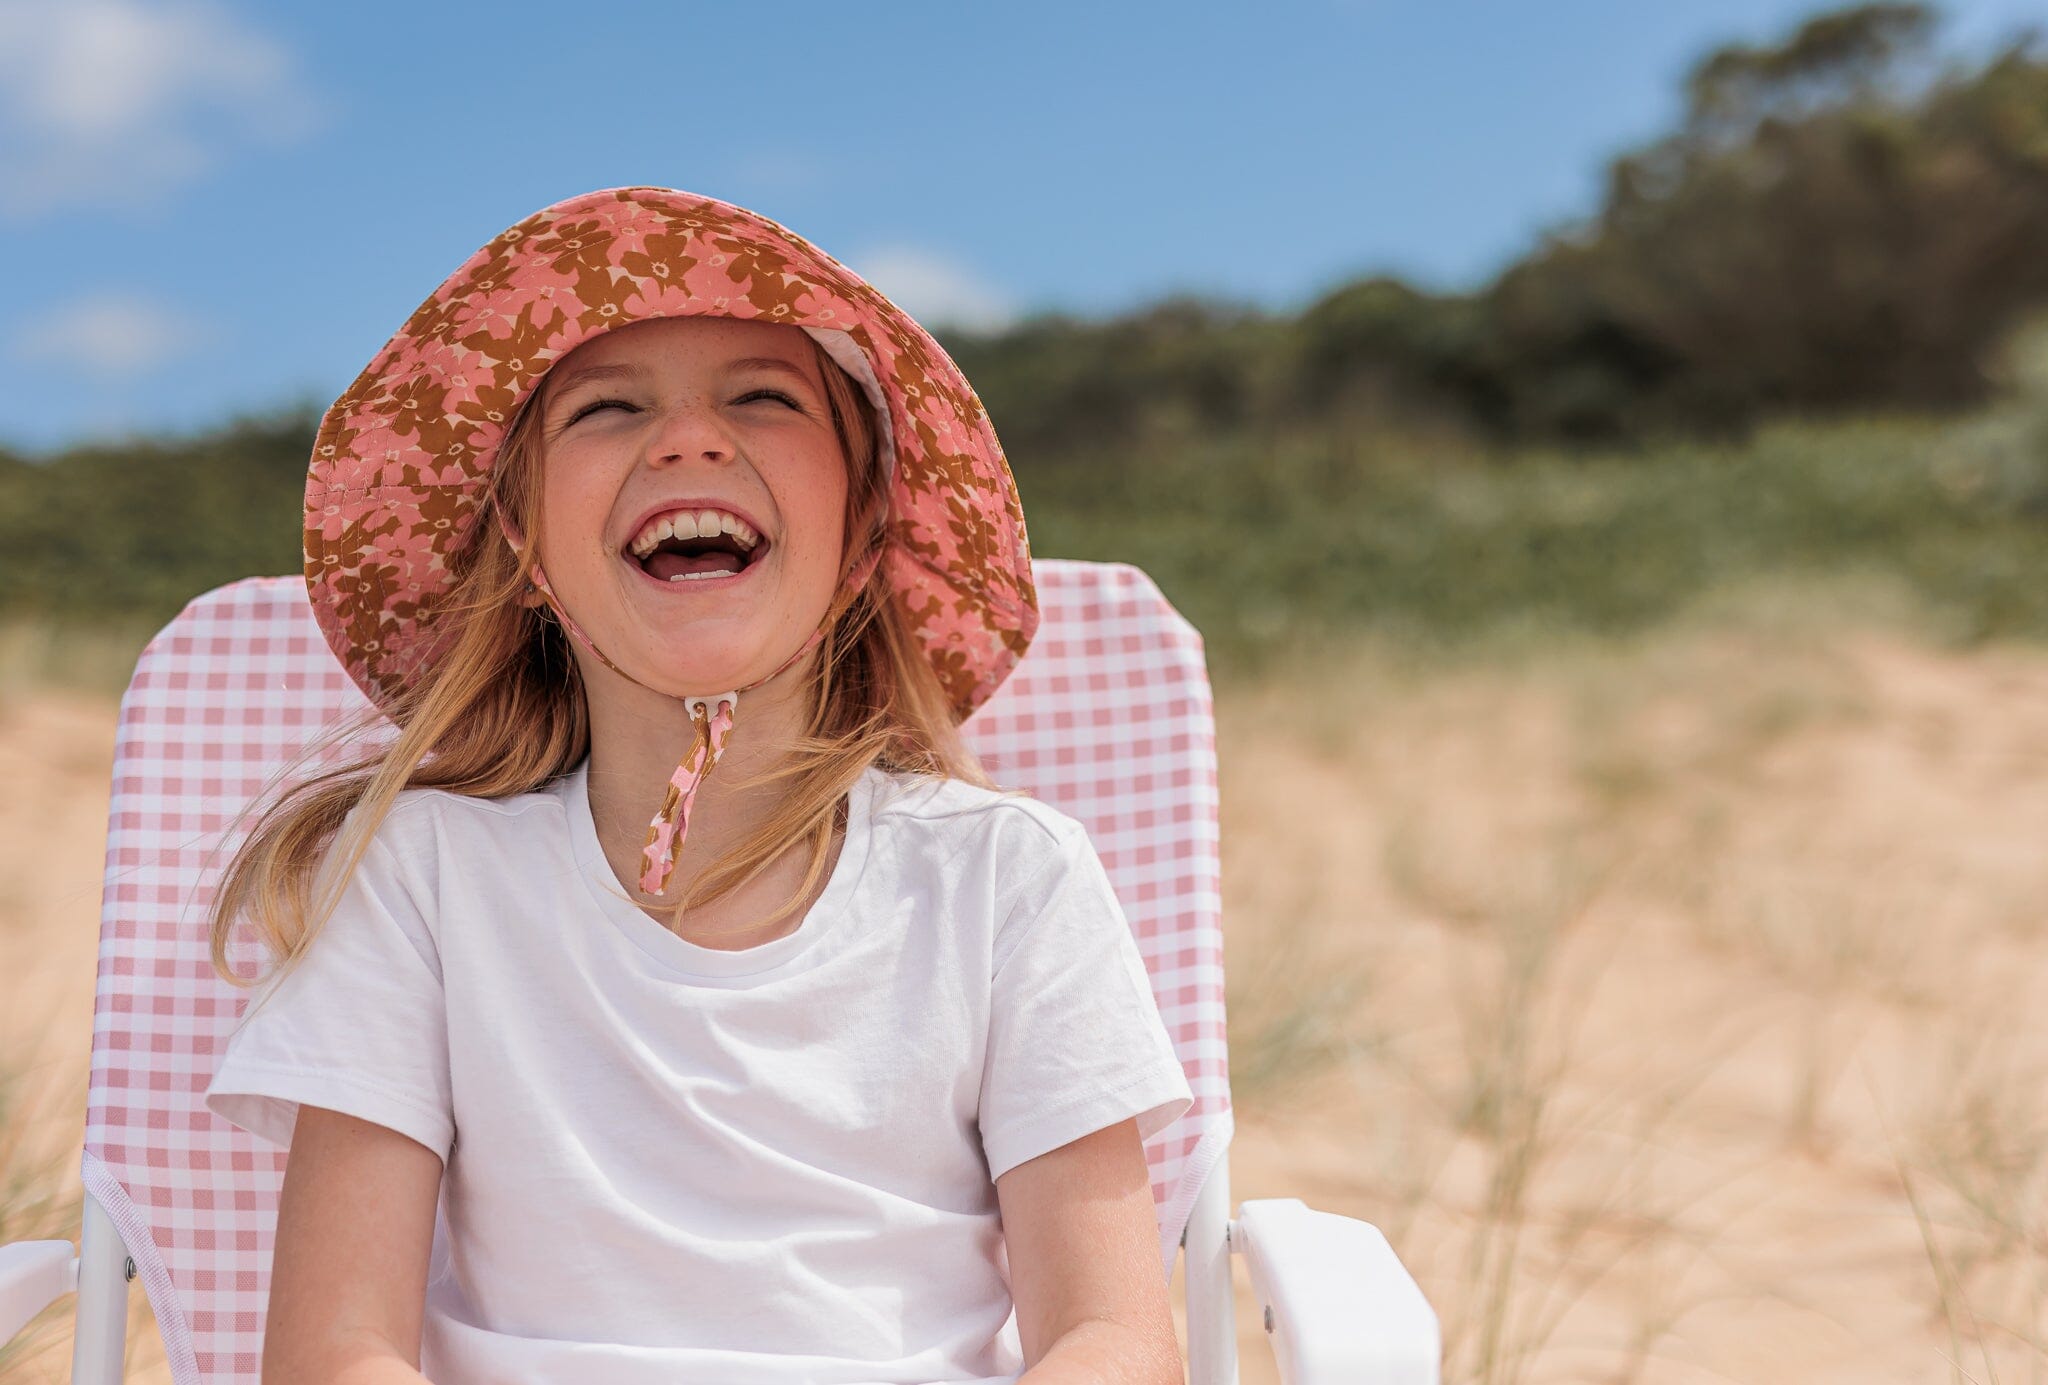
(403, 458)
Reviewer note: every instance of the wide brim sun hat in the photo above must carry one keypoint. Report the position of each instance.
(403, 458)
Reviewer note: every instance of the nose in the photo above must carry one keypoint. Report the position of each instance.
(690, 431)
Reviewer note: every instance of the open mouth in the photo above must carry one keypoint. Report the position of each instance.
(676, 559)
(702, 544)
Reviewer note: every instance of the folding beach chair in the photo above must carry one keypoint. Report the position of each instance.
(1108, 717)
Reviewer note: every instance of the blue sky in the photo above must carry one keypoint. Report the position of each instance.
(214, 207)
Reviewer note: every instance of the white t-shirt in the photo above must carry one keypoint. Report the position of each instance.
(670, 1163)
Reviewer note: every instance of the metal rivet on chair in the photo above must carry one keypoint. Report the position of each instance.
(128, 1269)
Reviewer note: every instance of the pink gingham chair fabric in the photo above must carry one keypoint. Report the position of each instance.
(1108, 718)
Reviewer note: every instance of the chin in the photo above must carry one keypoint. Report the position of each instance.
(710, 664)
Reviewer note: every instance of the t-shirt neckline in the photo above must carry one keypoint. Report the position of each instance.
(678, 954)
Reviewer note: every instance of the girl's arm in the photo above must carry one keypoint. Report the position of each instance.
(1084, 1265)
(355, 1231)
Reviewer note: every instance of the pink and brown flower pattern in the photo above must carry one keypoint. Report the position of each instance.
(403, 457)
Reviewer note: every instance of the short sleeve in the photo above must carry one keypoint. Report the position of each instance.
(357, 1025)
(1075, 1041)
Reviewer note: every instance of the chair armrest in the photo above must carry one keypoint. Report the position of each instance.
(1340, 1307)
(33, 1275)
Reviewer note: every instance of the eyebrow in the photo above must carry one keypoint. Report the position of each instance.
(591, 374)
(769, 363)
(585, 375)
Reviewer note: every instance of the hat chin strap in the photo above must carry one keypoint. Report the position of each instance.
(710, 715)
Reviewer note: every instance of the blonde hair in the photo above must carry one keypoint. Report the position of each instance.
(501, 711)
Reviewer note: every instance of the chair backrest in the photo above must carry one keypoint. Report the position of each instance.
(1108, 717)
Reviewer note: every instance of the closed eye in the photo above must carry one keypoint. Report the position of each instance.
(594, 405)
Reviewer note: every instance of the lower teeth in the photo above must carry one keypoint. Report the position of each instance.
(694, 576)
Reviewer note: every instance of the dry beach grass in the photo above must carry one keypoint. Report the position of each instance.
(1672, 1005)
(1674, 1008)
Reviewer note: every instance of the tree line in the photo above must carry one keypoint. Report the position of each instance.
(1844, 223)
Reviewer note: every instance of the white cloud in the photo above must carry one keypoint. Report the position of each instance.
(938, 292)
(106, 335)
(118, 101)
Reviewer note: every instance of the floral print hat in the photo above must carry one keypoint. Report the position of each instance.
(402, 460)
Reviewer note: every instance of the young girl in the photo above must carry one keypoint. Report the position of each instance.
(673, 999)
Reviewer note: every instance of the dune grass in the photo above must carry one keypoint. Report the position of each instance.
(1698, 972)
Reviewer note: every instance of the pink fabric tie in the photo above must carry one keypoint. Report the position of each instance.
(713, 719)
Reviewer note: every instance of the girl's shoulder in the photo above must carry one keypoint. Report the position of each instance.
(423, 828)
(420, 819)
(446, 803)
(1003, 857)
(963, 811)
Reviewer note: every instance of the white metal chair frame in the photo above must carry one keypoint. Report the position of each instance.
(1338, 1306)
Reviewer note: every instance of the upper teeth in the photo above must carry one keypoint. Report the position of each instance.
(693, 524)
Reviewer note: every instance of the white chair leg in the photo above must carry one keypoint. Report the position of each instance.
(1205, 1275)
(99, 1352)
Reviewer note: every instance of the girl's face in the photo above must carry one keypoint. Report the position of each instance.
(724, 426)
